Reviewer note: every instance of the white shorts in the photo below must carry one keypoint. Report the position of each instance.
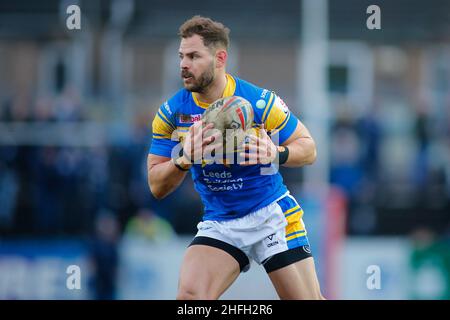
(274, 236)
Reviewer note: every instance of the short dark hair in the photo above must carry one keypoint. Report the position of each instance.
(212, 32)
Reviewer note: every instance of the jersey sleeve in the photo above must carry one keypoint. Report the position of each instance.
(162, 128)
(278, 119)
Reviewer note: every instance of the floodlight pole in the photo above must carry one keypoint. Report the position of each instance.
(312, 86)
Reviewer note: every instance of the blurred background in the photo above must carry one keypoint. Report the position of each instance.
(75, 126)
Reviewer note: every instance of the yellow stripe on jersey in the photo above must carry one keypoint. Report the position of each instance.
(164, 118)
(160, 128)
(269, 105)
(295, 235)
(277, 118)
(230, 87)
(283, 124)
(203, 105)
(292, 219)
(291, 210)
(295, 227)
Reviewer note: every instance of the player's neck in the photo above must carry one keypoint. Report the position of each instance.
(214, 91)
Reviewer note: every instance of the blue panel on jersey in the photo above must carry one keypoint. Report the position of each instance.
(233, 191)
(162, 147)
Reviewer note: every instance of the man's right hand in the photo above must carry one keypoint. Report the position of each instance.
(196, 139)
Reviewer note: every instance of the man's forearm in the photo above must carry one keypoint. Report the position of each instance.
(163, 178)
(302, 151)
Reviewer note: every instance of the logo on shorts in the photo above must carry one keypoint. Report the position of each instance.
(307, 249)
(271, 244)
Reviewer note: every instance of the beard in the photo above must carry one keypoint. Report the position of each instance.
(202, 82)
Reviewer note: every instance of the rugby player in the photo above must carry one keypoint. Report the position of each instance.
(248, 214)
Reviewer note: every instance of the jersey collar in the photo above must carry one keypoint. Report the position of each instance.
(230, 88)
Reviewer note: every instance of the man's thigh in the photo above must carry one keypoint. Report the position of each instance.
(206, 272)
(297, 281)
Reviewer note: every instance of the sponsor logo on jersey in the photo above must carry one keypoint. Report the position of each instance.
(215, 174)
(167, 107)
(260, 104)
(189, 118)
(263, 93)
(282, 105)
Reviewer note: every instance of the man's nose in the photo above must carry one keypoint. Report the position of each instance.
(184, 64)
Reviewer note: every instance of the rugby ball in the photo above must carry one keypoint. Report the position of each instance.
(233, 116)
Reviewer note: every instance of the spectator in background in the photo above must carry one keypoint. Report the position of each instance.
(370, 133)
(147, 225)
(346, 170)
(43, 109)
(430, 265)
(68, 105)
(136, 161)
(423, 137)
(47, 191)
(105, 256)
(184, 213)
(353, 153)
(8, 195)
(19, 108)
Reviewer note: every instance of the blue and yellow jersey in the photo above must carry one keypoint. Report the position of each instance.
(231, 191)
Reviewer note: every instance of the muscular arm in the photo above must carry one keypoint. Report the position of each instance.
(302, 148)
(279, 121)
(163, 176)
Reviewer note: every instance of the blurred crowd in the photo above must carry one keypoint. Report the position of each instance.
(383, 196)
(388, 136)
(52, 190)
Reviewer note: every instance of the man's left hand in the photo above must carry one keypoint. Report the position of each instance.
(260, 150)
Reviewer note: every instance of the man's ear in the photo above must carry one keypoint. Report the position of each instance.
(221, 58)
